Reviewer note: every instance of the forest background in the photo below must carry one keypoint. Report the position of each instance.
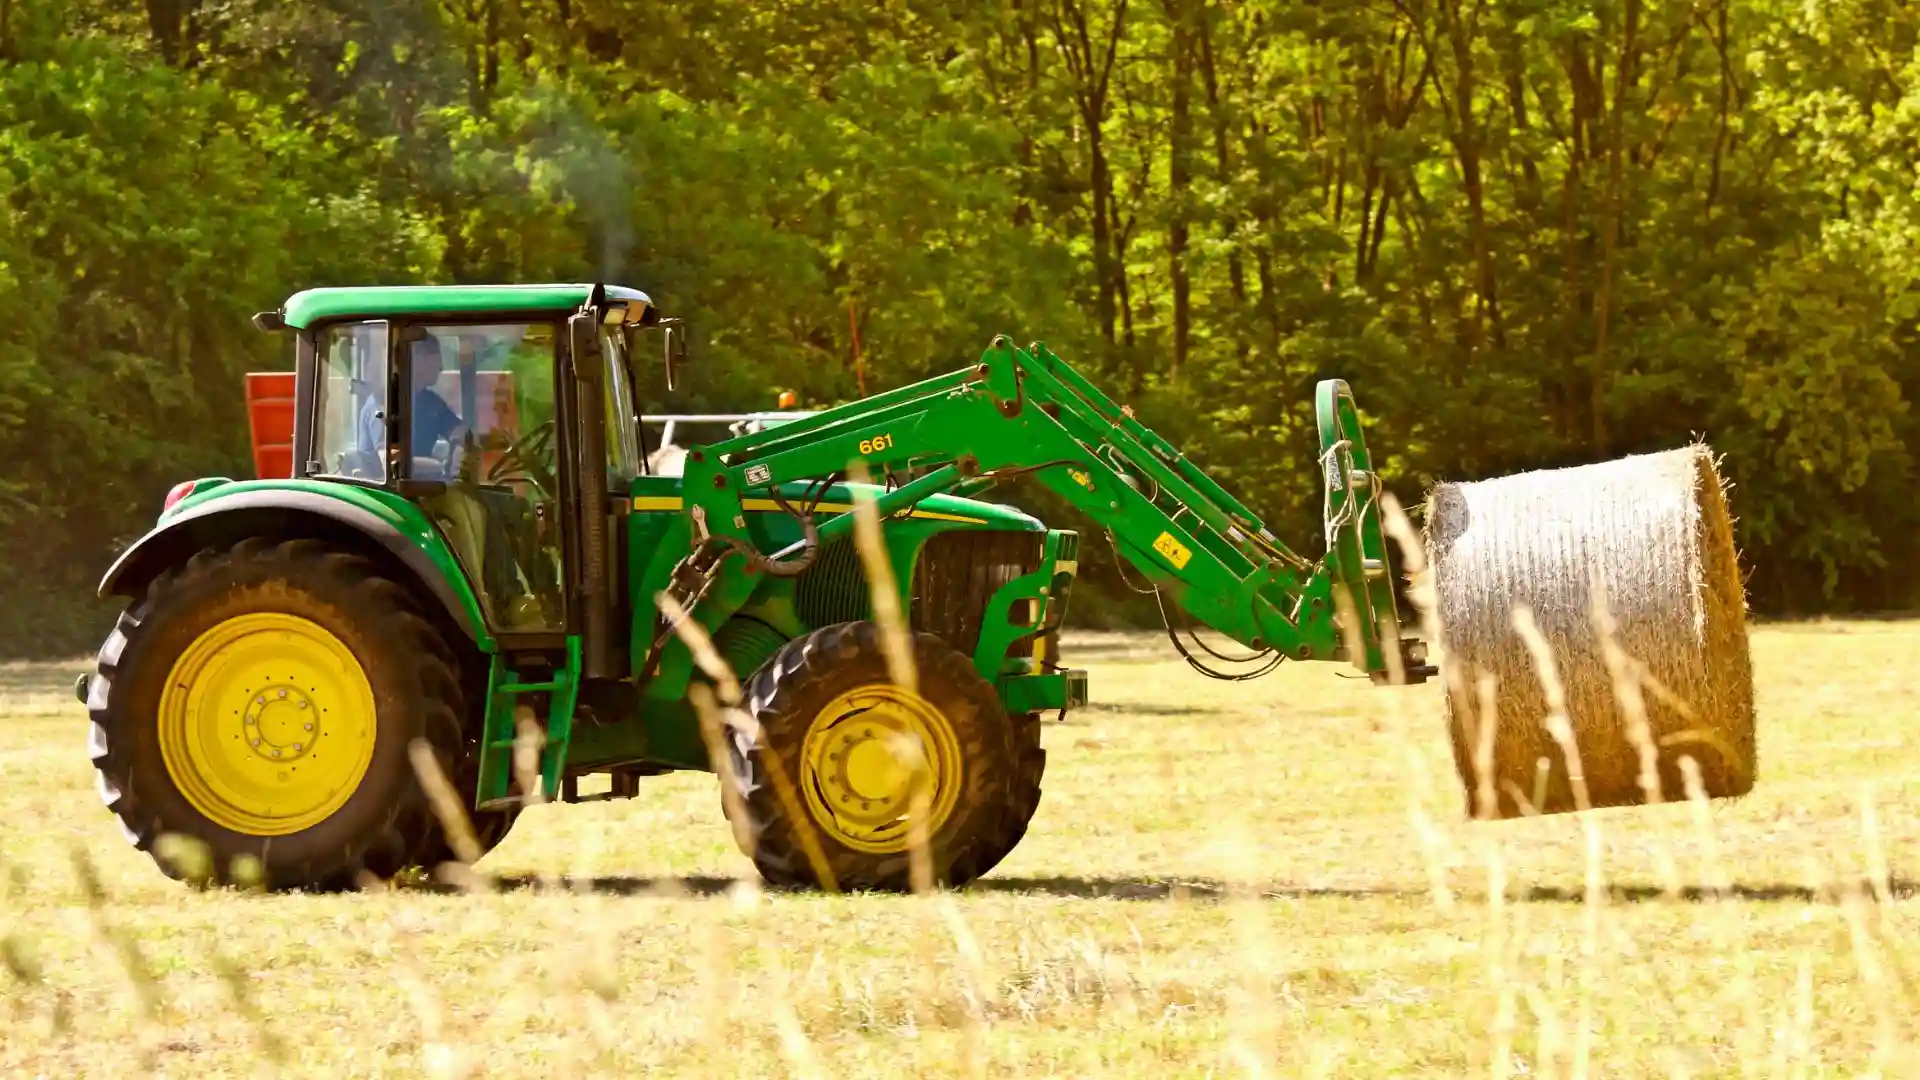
(1529, 233)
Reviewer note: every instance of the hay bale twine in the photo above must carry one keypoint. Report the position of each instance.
(1653, 532)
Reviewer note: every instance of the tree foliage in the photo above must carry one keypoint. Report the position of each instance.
(1528, 233)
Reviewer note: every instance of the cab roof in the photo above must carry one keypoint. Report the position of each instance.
(304, 309)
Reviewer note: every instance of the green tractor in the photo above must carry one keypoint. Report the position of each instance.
(468, 545)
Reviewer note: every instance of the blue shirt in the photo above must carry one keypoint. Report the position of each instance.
(433, 420)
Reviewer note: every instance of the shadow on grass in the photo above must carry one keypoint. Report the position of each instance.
(1210, 890)
(1140, 708)
(1203, 890)
(660, 888)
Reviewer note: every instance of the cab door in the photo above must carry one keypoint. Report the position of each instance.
(482, 438)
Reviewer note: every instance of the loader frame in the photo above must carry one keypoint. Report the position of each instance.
(1026, 412)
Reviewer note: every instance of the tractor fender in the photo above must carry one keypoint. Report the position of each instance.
(232, 517)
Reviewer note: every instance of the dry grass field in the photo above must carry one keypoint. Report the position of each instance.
(1267, 879)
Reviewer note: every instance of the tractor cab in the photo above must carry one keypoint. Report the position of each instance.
(460, 416)
(483, 407)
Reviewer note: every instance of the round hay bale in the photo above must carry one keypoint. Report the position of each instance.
(1649, 536)
(667, 461)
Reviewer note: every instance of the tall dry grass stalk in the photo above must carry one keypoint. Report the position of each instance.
(718, 715)
(794, 1044)
(1893, 1005)
(1502, 946)
(896, 635)
(1797, 1042)
(235, 978)
(441, 1054)
(1550, 1039)
(122, 947)
(1626, 679)
(1560, 726)
(451, 811)
(1253, 1036)
(20, 958)
(718, 708)
(722, 715)
(1879, 875)
(745, 903)
(594, 981)
(1716, 884)
(1629, 677)
(1871, 966)
(1436, 843)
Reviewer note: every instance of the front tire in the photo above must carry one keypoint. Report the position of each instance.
(262, 701)
(1023, 796)
(826, 714)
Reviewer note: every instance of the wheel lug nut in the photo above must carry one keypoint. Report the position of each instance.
(276, 752)
(255, 743)
(308, 727)
(283, 693)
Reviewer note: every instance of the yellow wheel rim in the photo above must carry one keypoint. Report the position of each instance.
(267, 724)
(867, 757)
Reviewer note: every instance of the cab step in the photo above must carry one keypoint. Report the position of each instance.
(495, 789)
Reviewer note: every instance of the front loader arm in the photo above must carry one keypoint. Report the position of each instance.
(1027, 412)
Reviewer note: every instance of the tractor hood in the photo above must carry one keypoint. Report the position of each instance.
(653, 493)
(934, 507)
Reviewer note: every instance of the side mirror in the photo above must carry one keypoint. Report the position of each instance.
(583, 339)
(673, 349)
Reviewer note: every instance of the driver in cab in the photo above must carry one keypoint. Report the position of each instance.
(433, 418)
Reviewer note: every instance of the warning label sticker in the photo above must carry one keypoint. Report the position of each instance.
(1174, 550)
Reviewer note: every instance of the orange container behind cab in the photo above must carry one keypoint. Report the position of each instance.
(270, 422)
(270, 407)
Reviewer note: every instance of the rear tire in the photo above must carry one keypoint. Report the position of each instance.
(192, 733)
(822, 706)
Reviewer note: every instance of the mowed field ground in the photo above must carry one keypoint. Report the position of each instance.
(1269, 879)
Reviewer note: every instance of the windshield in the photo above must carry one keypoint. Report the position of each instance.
(350, 403)
(623, 422)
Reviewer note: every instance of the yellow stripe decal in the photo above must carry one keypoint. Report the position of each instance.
(673, 502)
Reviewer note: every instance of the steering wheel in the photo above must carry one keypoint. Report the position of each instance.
(519, 461)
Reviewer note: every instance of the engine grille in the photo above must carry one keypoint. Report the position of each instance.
(959, 571)
(956, 574)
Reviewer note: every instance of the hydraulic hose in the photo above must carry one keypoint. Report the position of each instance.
(810, 534)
